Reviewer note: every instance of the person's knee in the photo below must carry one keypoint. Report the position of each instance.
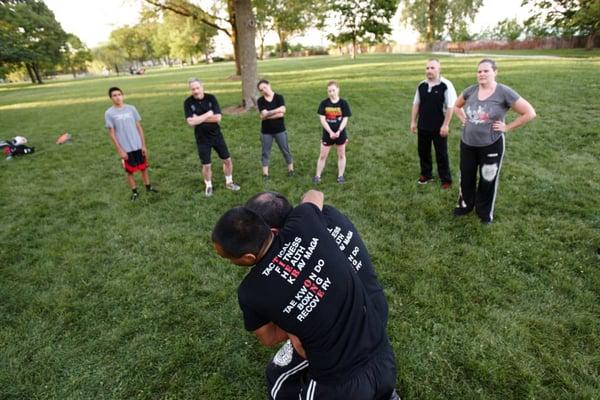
(489, 172)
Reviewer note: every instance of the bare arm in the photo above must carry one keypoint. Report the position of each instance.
(413, 117)
(138, 126)
(113, 138)
(342, 125)
(458, 109)
(297, 345)
(200, 119)
(275, 113)
(527, 112)
(325, 125)
(270, 334)
(315, 197)
(446, 124)
(273, 116)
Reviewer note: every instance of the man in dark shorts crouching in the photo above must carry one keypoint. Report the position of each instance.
(202, 112)
(302, 286)
(127, 135)
(287, 371)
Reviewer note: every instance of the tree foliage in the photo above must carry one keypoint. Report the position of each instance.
(30, 36)
(434, 19)
(361, 21)
(579, 17)
(286, 17)
(75, 55)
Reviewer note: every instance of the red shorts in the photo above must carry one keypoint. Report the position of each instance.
(135, 162)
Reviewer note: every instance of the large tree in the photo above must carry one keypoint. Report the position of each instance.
(242, 35)
(577, 16)
(360, 21)
(435, 18)
(31, 36)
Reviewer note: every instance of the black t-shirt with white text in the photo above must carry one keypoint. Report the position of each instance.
(271, 126)
(193, 106)
(351, 244)
(334, 113)
(306, 285)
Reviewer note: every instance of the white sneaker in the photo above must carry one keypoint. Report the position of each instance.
(208, 191)
(232, 186)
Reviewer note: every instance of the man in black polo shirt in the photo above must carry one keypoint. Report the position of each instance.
(302, 285)
(433, 104)
(202, 112)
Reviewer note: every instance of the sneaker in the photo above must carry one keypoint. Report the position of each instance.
(232, 186)
(423, 180)
(265, 178)
(291, 173)
(151, 189)
(134, 196)
(460, 211)
(485, 222)
(341, 179)
(208, 191)
(316, 180)
(446, 185)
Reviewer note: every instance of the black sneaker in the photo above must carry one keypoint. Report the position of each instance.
(151, 189)
(291, 173)
(316, 180)
(134, 196)
(423, 180)
(341, 179)
(265, 178)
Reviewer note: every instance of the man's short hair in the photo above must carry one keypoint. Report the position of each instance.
(113, 89)
(240, 231)
(273, 207)
(333, 83)
(261, 82)
(194, 79)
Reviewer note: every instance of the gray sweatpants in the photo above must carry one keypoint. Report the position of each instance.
(267, 142)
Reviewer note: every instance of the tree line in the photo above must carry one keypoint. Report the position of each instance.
(168, 30)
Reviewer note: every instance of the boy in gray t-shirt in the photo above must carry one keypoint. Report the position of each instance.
(127, 135)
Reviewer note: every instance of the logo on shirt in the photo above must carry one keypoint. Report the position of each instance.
(333, 114)
(293, 258)
(479, 116)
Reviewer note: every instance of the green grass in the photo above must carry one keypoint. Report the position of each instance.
(104, 299)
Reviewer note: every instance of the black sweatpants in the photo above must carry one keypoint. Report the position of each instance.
(487, 161)
(440, 144)
(287, 379)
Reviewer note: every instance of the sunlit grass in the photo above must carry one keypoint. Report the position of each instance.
(104, 298)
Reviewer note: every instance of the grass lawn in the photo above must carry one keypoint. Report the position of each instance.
(101, 298)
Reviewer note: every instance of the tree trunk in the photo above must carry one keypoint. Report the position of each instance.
(235, 36)
(354, 47)
(246, 30)
(117, 69)
(282, 42)
(30, 72)
(430, 21)
(36, 71)
(589, 43)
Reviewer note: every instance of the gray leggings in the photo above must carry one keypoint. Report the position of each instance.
(267, 143)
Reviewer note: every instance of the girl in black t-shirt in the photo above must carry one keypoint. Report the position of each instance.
(333, 114)
(271, 107)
